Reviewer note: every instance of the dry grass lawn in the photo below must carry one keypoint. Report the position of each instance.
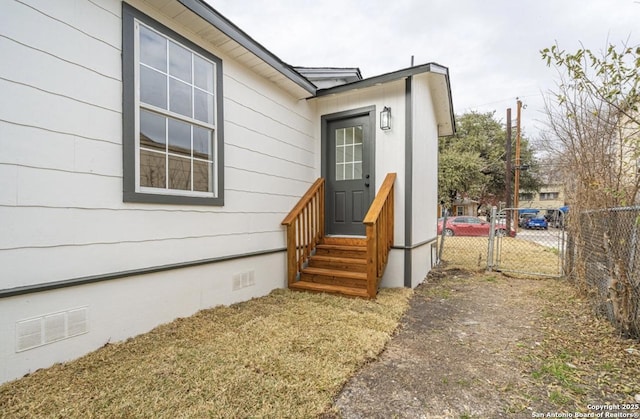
(284, 355)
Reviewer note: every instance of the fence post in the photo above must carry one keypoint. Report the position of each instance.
(492, 236)
(441, 248)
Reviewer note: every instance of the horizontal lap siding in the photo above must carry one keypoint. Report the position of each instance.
(19, 267)
(389, 144)
(61, 155)
(270, 150)
(425, 167)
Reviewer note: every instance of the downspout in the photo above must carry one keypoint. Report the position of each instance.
(408, 168)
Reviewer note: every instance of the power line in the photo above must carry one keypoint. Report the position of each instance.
(504, 100)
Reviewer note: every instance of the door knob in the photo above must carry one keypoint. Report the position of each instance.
(366, 184)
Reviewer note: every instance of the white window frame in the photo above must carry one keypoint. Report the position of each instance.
(132, 106)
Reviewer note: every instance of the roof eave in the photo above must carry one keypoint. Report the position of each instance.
(376, 80)
(433, 68)
(210, 15)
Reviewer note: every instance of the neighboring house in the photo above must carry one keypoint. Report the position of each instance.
(630, 159)
(464, 206)
(149, 151)
(550, 196)
(548, 202)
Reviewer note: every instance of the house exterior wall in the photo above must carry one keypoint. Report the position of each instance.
(425, 175)
(389, 155)
(389, 145)
(544, 198)
(61, 196)
(410, 256)
(630, 156)
(467, 209)
(425, 162)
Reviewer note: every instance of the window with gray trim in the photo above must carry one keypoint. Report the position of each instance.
(172, 116)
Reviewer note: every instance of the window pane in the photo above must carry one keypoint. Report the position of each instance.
(348, 136)
(152, 169)
(358, 152)
(153, 49)
(179, 62)
(179, 137)
(203, 73)
(153, 131)
(180, 97)
(348, 153)
(339, 154)
(202, 176)
(202, 143)
(339, 171)
(357, 170)
(203, 106)
(358, 134)
(348, 171)
(179, 173)
(153, 87)
(340, 137)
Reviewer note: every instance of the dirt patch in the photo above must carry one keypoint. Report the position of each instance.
(485, 345)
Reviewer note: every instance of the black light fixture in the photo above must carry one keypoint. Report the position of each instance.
(385, 118)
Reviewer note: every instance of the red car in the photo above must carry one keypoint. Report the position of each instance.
(464, 225)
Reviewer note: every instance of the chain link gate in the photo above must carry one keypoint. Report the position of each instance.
(535, 243)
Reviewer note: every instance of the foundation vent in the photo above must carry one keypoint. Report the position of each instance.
(243, 280)
(52, 327)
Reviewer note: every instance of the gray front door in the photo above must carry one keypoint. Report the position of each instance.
(349, 173)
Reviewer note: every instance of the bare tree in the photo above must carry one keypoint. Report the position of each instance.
(593, 124)
(593, 132)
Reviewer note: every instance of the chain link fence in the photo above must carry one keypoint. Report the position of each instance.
(599, 251)
(535, 246)
(602, 259)
(519, 241)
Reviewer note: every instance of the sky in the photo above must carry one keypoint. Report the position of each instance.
(491, 47)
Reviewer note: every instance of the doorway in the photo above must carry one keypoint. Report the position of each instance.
(348, 167)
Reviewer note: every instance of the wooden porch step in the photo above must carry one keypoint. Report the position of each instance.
(345, 241)
(331, 289)
(338, 263)
(342, 251)
(334, 277)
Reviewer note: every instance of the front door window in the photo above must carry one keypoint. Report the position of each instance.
(349, 153)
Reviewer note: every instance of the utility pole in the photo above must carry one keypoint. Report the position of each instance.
(507, 177)
(516, 182)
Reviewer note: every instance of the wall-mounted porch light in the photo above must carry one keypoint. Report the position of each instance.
(385, 118)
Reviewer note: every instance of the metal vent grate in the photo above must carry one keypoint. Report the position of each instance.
(52, 327)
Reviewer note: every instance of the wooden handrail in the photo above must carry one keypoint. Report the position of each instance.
(380, 199)
(379, 227)
(303, 201)
(305, 229)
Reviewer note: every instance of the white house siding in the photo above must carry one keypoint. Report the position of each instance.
(389, 145)
(390, 155)
(425, 175)
(61, 195)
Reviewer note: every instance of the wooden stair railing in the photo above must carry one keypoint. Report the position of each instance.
(305, 229)
(343, 265)
(379, 228)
